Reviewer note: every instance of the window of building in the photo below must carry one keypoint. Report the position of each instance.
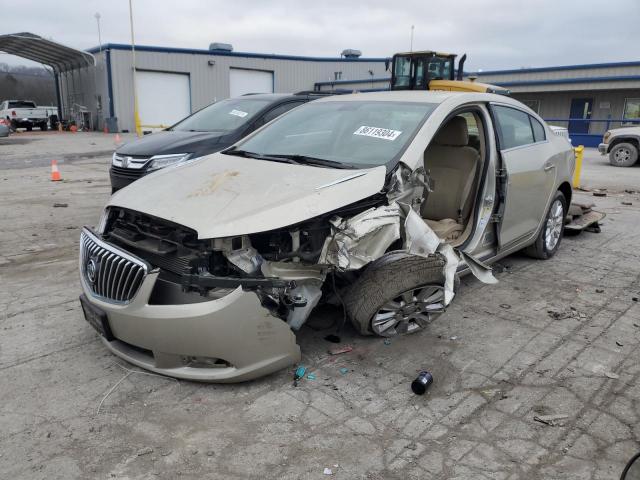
(533, 105)
(337, 75)
(514, 127)
(631, 108)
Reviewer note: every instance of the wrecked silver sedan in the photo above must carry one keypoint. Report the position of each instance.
(374, 201)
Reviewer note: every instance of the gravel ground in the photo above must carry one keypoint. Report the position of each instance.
(558, 337)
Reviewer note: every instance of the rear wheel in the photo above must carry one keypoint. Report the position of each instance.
(548, 240)
(397, 294)
(29, 127)
(43, 126)
(623, 155)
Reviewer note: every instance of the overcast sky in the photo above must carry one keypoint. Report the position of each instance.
(494, 33)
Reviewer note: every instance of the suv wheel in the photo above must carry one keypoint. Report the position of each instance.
(623, 155)
(397, 294)
(550, 236)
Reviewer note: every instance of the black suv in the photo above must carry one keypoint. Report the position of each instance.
(209, 130)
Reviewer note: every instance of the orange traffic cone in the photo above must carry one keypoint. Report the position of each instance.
(55, 173)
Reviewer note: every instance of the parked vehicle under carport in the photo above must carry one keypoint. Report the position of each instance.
(208, 130)
(377, 201)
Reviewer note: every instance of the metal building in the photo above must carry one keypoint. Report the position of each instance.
(174, 82)
(588, 99)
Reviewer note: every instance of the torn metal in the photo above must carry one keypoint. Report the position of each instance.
(359, 240)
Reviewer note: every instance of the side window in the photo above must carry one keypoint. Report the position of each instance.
(515, 128)
(279, 110)
(538, 130)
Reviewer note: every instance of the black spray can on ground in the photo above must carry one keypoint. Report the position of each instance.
(420, 384)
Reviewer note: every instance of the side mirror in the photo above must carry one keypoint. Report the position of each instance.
(386, 64)
(632, 470)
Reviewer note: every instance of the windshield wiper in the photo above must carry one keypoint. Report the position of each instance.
(259, 156)
(307, 160)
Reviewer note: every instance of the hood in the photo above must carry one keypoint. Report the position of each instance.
(167, 142)
(222, 195)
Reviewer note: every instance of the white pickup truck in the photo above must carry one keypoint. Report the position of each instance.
(25, 114)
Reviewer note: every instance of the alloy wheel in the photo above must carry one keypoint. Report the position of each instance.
(409, 311)
(554, 225)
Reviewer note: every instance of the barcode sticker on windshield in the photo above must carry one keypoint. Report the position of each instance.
(376, 132)
(238, 113)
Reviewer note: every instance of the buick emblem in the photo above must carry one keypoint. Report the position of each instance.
(92, 270)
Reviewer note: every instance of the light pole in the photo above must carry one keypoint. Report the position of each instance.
(136, 115)
(97, 15)
(411, 47)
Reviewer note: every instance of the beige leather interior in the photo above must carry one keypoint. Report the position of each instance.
(452, 165)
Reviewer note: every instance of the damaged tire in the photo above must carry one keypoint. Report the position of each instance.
(550, 236)
(398, 293)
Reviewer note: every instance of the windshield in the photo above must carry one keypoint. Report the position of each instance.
(357, 134)
(223, 116)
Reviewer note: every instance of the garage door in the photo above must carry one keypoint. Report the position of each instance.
(243, 81)
(163, 98)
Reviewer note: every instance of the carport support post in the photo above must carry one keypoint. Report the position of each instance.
(56, 76)
(136, 115)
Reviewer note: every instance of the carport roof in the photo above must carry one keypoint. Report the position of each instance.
(33, 47)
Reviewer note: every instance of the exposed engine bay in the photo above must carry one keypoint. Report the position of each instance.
(290, 269)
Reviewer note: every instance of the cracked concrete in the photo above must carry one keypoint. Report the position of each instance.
(511, 360)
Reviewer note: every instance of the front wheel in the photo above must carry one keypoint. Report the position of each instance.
(397, 294)
(623, 155)
(548, 240)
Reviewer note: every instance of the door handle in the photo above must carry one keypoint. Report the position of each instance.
(548, 166)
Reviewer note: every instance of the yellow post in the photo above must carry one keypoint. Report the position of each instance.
(579, 151)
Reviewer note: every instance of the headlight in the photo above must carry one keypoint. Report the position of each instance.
(113, 158)
(162, 161)
(606, 137)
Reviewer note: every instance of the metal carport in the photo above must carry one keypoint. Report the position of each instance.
(59, 57)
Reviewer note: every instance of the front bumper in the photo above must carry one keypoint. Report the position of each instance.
(603, 148)
(235, 329)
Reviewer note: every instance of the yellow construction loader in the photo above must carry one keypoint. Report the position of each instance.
(428, 70)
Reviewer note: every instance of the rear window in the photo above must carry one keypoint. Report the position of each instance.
(22, 104)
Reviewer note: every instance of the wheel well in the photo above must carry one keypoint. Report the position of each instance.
(631, 140)
(567, 191)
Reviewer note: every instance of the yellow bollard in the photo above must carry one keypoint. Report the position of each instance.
(579, 151)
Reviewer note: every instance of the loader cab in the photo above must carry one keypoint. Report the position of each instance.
(414, 70)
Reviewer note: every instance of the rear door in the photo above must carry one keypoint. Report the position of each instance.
(528, 174)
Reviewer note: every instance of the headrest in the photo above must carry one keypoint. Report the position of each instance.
(454, 133)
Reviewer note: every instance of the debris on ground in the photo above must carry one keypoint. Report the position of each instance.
(387, 341)
(506, 306)
(620, 344)
(635, 299)
(420, 385)
(332, 338)
(311, 376)
(570, 312)
(551, 420)
(344, 371)
(630, 191)
(341, 349)
(144, 451)
(627, 203)
(454, 338)
(299, 373)
(599, 290)
(599, 193)
(60, 205)
(327, 471)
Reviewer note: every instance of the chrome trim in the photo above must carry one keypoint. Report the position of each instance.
(119, 274)
(127, 161)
